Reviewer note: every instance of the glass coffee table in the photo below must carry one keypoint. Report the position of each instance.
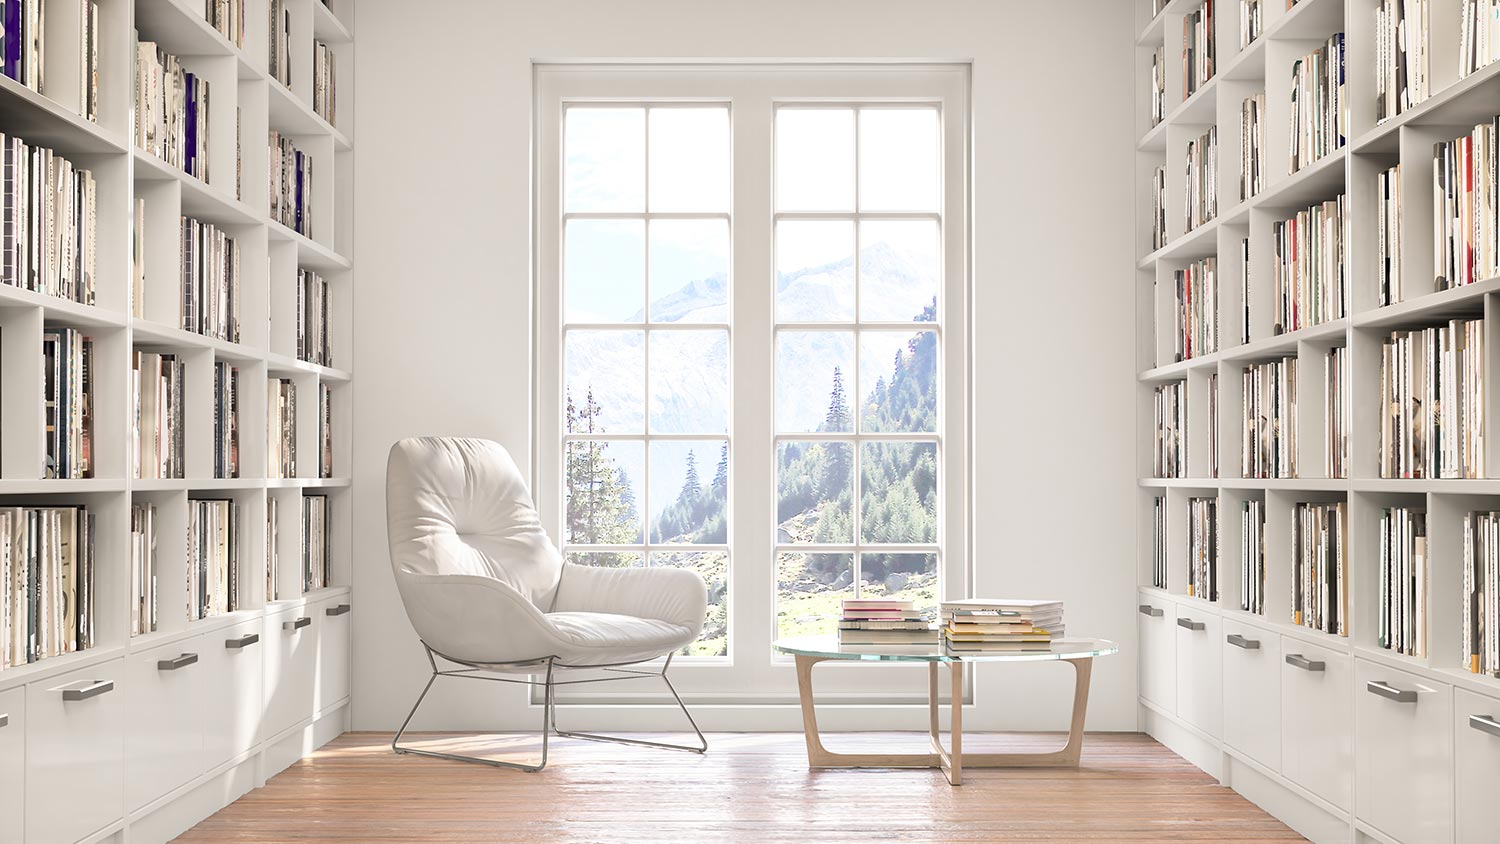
(811, 650)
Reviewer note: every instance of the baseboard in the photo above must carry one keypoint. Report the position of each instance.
(1310, 820)
(186, 810)
(1184, 741)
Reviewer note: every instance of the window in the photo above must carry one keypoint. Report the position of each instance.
(751, 343)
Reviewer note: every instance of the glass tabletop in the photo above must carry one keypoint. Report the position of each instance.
(829, 647)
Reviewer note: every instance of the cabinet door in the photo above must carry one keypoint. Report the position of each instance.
(1404, 738)
(12, 764)
(1200, 690)
(1476, 742)
(233, 701)
(1317, 730)
(333, 652)
(1158, 665)
(164, 745)
(75, 753)
(291, 652)
(1252, 692)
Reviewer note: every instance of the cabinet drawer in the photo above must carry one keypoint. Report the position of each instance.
(290, 640)
(232, 670)
(1317, 724)
(333, 652)
(1476, 743)
(1158, 666)
(75, 753)
(164, 745)
(1199, 688)
(1404, 734)
(12, 765)
(1252, 692)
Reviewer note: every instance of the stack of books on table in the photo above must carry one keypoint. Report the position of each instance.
(1000, 626)
(880, 621)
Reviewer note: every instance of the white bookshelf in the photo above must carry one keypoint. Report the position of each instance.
(162, 750)
(1290, 739)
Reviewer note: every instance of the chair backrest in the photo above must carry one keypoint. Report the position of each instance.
(459, 506)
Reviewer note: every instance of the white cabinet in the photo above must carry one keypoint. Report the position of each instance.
(1404, 735)
(75, 753)
(333, 652)
(164, 745)
(12, 764)
(1476, 746)
(290, 638)
(1199, 687)
(1252, 692)
(1158, 663)
(1317, 733)
(232, 698)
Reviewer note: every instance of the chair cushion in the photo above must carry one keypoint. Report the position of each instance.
(601, 638)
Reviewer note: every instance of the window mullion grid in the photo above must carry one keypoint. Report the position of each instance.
(856, 506)
(646, 341)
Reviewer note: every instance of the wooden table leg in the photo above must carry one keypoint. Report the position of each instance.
(955, 768)
(820, 757)
(1068, 756)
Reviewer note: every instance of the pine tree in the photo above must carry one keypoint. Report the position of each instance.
(838, 418)
(601, 507)
(721, 472)
(691, 487)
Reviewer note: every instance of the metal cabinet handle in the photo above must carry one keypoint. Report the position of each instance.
(94, 689)
(243, 641)
(1302, 662)
(1190, 624)
(1482, 723)
(1147, 609)
(176, 662)
(296, 625)
(1241, 642)
(5, 719)
(1389, 692)
(338, 610)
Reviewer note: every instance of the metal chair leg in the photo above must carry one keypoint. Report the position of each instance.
(547, 707)
(702, 742)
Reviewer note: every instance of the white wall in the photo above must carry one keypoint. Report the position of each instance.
(443, 312)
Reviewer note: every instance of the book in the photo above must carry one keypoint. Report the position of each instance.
(25, 57)
(1388, 235)
(157, 381)
(227, 17)
(1310, 268)
(210, 281)
(226, 420)
(325, 431)
(1213, 424)
(1268, 423)
(1252, 24)
(67, 399)
(1319, 543)
(1170, 415)
(280, 40)
(1202, 186)
(1159, 208)
(1198, 37)
(1159, 542)
(1158, 85)
(171, 110)
(314, 339)
(316, 553)
(1401, 55)
(47, 577)
(1335, 412)
(1432, 399)
(48, 218)
(281, 426)
(1197, 308)
(1480, 610)
(1000, 625)
(1319, 122)
(1203, 548)
(1479, 35)
(1252, 142)
(143, 569)
(1465, 204)
(273, 549)
(212, 557)
(1253, 556)
(1403, 581)
(325, 82)
(291, 177)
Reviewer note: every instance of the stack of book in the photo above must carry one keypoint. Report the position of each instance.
(317, 558)
(1251, 22)
(171, 110)
(1432, 392)
(1464, 196)
(325, 101)
(1253, 556)
(1197, 48)
(1268, 426)
(281, 42)
(142, 568)
(1401, 55)
(226, 420)
(1478, 35)
(1201, 157)
(68, 396)
(212, 557)
(1159, 208)
(1310, 269)
(1159, 542)
(1197, 311)
(291, 185)
(1319, 542)
(314, 343)
(228, 17)
(158, 383)
(1403, 581)
(1388, 235)
(1320, 106)
(46, 582)
(1203, 548)
(883, 621)
(1481, 605)
(1159, 85)
(281, 409)
(50, 210)
(1335, 412)
(1252, 141)
(210, 281)
(1171, 424)
(1000, 626)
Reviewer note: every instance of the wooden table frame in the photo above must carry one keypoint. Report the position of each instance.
(951, 761)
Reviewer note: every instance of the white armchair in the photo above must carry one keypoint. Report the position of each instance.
(487, 590)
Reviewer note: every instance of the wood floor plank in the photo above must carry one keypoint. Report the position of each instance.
(749, 787)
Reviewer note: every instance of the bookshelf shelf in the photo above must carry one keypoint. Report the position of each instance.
(44, 121)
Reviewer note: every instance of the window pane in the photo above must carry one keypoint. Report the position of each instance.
(814, 159)
(604, 379)
(814, 492)
(603, 491)
(810, 589)
(689, 159)
(811, 368)
(815, 271)
(604, 159)
(901, 577)
(898, 270)
(713, 567)
(604, 270)
(898, 159)
(689, 495)
(614, 559)
(898, 492)
(689, 271)
(898, 380)
(689, 382)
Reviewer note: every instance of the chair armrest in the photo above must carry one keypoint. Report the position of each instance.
(475, 618)
(676, 596)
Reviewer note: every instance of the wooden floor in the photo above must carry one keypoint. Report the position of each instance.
(749, 787)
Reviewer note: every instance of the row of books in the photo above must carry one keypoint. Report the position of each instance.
(1402, 57)
(24, 57)
(47, 579)
(1465, 205)
(325, 431)
(1481, 598)
(171, 110)
(281, 411)
(212, 557)
(1197, 48)
(1159, 208)
(1202, 195)
(280, 58)
(1252, 143)
(1403, 581)
(143, 572)
(862, 621)
(228, 17)
(68, 397)
(158, 384)
(210, 281)
(325, 82)
(1310, 266)
(1252, 24)
(291, 185)
(1388, 235)
(1336, 412)
(1320, 106)
(1253, 556)
(1478, 35)
(1197, 310)
(1159, 542)
(314, 306)
(48, 222)
(1268, 423)
(1159, 85)
(1245, 297)
(1432, 392)
(226, 420)
(1319, 540)
(1203, 548)
(273, 549)
(1000, 626)
(1170, 407)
